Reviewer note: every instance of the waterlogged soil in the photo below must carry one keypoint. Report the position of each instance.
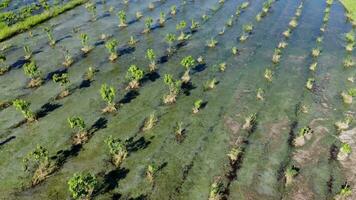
(187, 168)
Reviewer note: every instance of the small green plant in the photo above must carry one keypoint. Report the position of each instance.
(174, 89)
(173, 10)
(187, 62)
(197, 105)
(63, 80)
(277, 56)
(151, 56)
(111, 46)
(210, 84)
(243, 37)
(234, 50)
(162, 18)
(89, 74)
(32, 71)
(122, 18)
(68, 59)
(313, 66)
(81, 136)
(315, 52)
(148, 25)
(38, 164)
(268, 75)
(289, 174)
(3, 66)
(343, 125)
(179, 132)
(108, 95)
(151, 171)
(170, 39)
(310, 83)
(260, 94)
(212, 43)
(134, 75)
(234, 154)
(151, 6)
(84, 38)
(117, 150)
(248, 28)
(150, 122)
(132, 41)
(287, 33)
(91, 8)
(216, 190)
(345, 192)
(180, 27)
(194, 25)
(350, 37)
(82, 186)
(344, 152)
(293, 23)
(138, 15)
(348, 62)
(250, 122)
(24, 107)
(49, 32)
(28, 52)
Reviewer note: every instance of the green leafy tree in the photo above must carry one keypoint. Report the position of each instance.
(82, 186)
(24, 107)
(180, 27)
(111, 46)
(122, 18)
(174, 89)
(170, 39)
(49, 32)
(134, 75)
(84, 38)
(148, 25)
(63, 80)
(150, 54)
(117, 150)
(187, 63)
(108, 95)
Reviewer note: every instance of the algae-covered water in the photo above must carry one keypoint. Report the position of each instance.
(187, 169)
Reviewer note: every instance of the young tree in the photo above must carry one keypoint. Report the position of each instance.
(84, 38)
(148, 25)
(32, 71)
(174, 89)
(24, 107)
(28, 52)
(49, 31)
(117, 150)
(151, 171)
(150, 122)
(173, 10)
(151, 56)
(289, 174)
(38, 164)
(194, 25)
(212, 43)
(68, 59)
(3, 66)
(77, 123)
(122, 18)
(180, 27)
(187, 63)
(162, 18)
(197, 105)
(111, 46)
(170, 39)
(108, 95)
(134, 75)
(63, 80)
(82, 186)
(91, 8)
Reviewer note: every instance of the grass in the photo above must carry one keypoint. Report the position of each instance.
(29, 22)
(350, 5)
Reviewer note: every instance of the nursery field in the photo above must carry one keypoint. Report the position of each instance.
(177, 99)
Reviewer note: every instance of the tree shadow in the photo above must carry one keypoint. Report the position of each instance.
(152, 76)
(18, 64)
(133, 146)
(60, 71)
(129, 96)
(112, 178)
(99, 124)
(187, 87)
(85, 84)
(7, 140)
(126, 50)
(47, 108)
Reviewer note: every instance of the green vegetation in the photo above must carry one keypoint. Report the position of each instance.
(24, 107)
(108, 95)
(111, 46)
(117, 150)
(82, 186)
(350, 5)
(31, 21)
(134, 75)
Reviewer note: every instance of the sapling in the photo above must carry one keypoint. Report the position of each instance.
(134, 75)
(68, 59)
(132, 41)
(350, 47)
(350, 37)
(89, 74)
(250, 122)
(315, 52)
(260, 94)
(287, 33)
(170, 39)
(111, 46)
(276, 56)
(234, 50)
(173, 10)
(63, 80)
(304, 133)
(28, 52)
(82, 186)
(108, 95)
(180, 27)
(151, 6)
(49, 33)
(345, 192)
(210, 84)
(212, 43)
(293, 23)
(151, 56)
(310, 83)
(289, 174)
(243, 37)
(348, 62)
(344, 152)
(24, 107)
(148, 25)
(117, 150)
(268, 75)
(344, 124)
(194, 25)
(162, 18)
(313, 66)
(347, 98)
(38, 164)
(81, 136)
(122, 18)
(138, 15)
(197, 105)
(32, 71)
(91, 7)
(247, 28)
(174, 89)
(179, 132)
(234, 154)
(222, 66)
(150, 122)
(319, 39)
(187, 62)
(230, 21)
(282, 45)
(151, 172)
(84, 38)
(216, 190)
(200, 60)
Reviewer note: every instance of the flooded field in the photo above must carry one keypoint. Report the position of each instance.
(195, 99)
